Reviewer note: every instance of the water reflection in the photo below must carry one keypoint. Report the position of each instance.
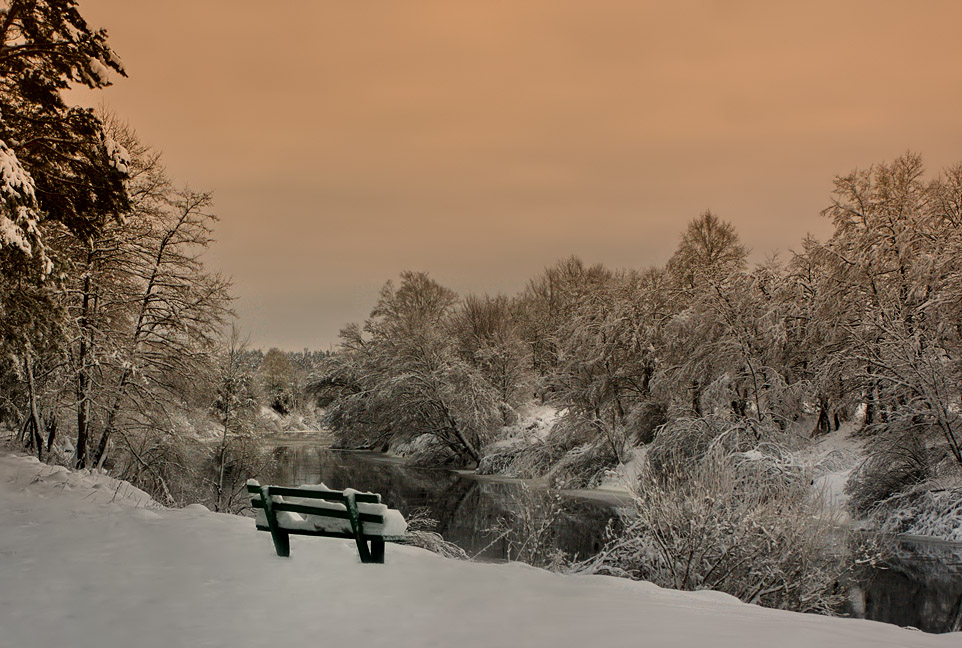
(917, 583)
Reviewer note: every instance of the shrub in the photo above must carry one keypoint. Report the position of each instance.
(896, 463)
(713, 527)
(420, 533)
(584, 466)
(684, 442)
(531, 527)
(922, 511)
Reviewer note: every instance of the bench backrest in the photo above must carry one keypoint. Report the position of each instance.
(316, 510)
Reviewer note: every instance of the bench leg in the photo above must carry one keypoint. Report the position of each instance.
(362, 550)
(282, 540)
(282, 543)
(377, 551)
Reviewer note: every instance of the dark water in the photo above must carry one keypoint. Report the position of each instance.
(477, 515)
(917, 584)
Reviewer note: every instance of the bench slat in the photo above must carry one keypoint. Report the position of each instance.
(307, 509)
(307, 493)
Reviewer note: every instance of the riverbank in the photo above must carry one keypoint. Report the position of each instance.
(88, 561)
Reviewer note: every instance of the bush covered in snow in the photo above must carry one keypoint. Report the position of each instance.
(425, 450)
(684, 442)
(570, 454)
(896, 463)
(923, 511)
(716, 525)
(584, 466)
(520, 459)
(421, 533)
(531, 527)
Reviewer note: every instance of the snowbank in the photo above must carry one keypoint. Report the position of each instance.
(84, 562)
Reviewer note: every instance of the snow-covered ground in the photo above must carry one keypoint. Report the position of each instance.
(833, 457)
(89, 561)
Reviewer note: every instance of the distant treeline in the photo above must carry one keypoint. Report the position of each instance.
(283, 376)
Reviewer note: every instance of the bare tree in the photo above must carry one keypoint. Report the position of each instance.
(234, 407)
(895, 257)
(401, 376)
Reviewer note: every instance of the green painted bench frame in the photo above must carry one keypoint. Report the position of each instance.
(262, 498)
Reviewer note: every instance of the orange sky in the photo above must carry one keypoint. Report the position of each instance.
(349, 140)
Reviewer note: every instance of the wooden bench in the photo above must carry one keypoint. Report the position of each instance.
(319, 511)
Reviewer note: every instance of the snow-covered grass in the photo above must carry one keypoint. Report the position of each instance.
(87, 562)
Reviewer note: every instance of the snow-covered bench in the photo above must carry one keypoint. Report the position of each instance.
(320, 511)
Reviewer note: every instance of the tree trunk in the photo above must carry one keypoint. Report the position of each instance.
(222, 461)
(34, 438)
(823, 424)
(51, 426)
(83, 377)
(101, 452)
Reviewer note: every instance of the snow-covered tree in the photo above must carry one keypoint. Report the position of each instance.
(549, 302)
(488, 336)
(57, 162)
(401, 375)
(234, 405)
(709, 253)
(895, 256)
(701, 274)
(143, 309)
(58, 167)
(277, 374)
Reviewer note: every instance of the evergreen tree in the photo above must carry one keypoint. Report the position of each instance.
(58, 164)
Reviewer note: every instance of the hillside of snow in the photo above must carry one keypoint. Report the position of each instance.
(89, 561)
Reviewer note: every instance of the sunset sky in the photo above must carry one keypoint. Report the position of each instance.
(346, 141)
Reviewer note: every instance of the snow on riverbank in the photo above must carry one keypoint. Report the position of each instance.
(85, 561)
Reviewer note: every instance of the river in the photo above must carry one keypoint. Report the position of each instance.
(918, 585)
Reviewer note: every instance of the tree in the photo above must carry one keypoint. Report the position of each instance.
(488, 337)
(277, 375)
(548, 303)
(144, 311)
(607, 356)
(700, 274)
(400, 376)
(895, 259)
(709, 253)
(234, 407)
(179, 307)
(57, 164)
(57, 159)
